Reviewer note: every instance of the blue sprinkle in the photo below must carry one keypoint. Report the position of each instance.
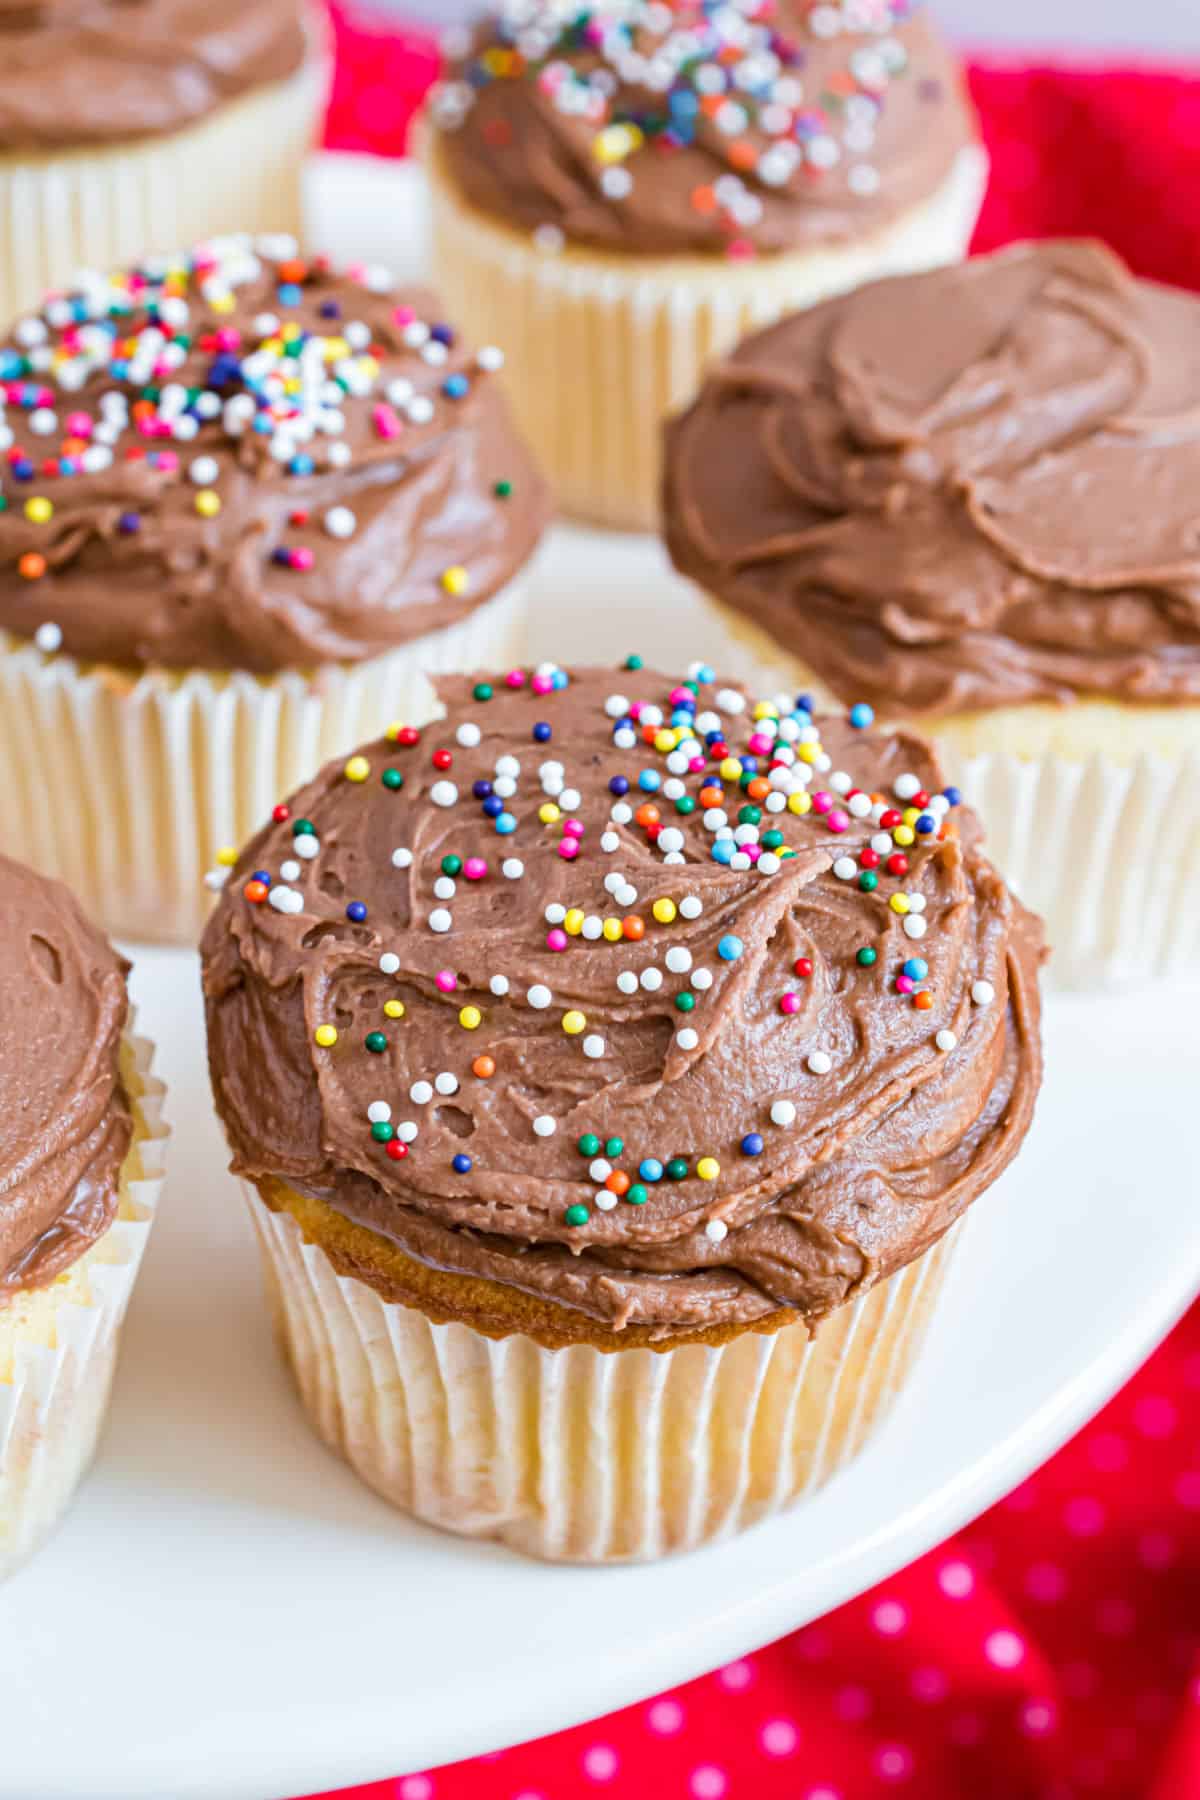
(953, 795)
(462, 1164)
(505, 824)
(714, 737)
(442, 334)
(649, 781)
(723, 849)
(356, 911)
(618, 785)
(493, 806)
(129, 522)
(542, 733)
(456, 387)
(261, 875)
(730, 948)
(559, 680)
(651, 1169)
(916, 968)
(926, 823)
(804, 703)
(481, 789)
(862, 715)
(289, 293)
(22, 468)
(752, 1144)
(705, 676)
(301, 465)
(280, 554)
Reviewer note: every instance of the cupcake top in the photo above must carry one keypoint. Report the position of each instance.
(662, 1011)
(64, 1120)
(79, 72)
(242, 458)
(967, 489)
(752, 127)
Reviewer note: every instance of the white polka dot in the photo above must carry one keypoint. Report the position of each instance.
(1045, 1581)
(1084, 1516)
(600, 1763)
(1004, 1649)
(415, 1787)
(852, 1704)
(707, 1783)
(1187, 1490)
(1107, 1452)
(780, 1737)
(893, 1762)
(929, 1684)
(889, 1618)
(665, 1717)
(736, 1676)
(1037, 1717)
(822, 1793)
(956, 1580)
(1155, 1416)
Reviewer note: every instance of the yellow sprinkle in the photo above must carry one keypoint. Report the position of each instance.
(911, 815)
(664, 911)
(226, 856)
(612, 930)
(731, 769)
(765, 710)
(455, 579)
(899, 903)
(208, 503)
(470, 1018)
(708, 1168)
(904, 834)
(326, 1036)
(357, 769)
(616, 142)
(222, 303)
(799, 802)
(39, 509)
(335, 348)
(394, 1009)
(573, 1023)
(393, 731)
(548, 813)
(290, 332)
(573, 922)
(665, 741)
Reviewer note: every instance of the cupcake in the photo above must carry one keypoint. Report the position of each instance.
(621, 191)
(81, 1149)
(608, 1088)
(969, 497)
(129, 126)
(247, 505)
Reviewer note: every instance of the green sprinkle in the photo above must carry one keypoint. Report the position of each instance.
(576, 1215)
(684, 1002)
(503, 490)
(392, 778)
(685, 804)
(867, 956)
(637, 1195)
(771, 840)
(613, 1147)
(868, 881)
(303, 828)
(482, 690)
(749, 815)
(677, 1168)
(375, 1042)
(452, 865)
(635, 662)
(589, 1144)
(3, 502)
(382, 1132)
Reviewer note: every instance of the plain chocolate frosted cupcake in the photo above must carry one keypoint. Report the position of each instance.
(129, 126)
(248, 504)
(585, 1052)
(971, 498)
(621, 191)
(80, 1170)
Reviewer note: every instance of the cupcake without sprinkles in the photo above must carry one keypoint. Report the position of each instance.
(621, 191)
(580, 1055)
(247, 505)
(135, 125)
(970, 497)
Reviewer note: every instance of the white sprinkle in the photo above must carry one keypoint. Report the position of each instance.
(916, 903)
(625, 739)
(688, 1038)
(490, 358)
(445, 887)
(651, 980)
(716, 1231)
(845, 868)
(545, 1125)
(983, 993)
(285, 899)
(882, 843)
(603, 1200)
(499, 985)
(945, 1040)
(599, 1169)
(613, 880)
(768, 864)
(702, 979)
(905, 786)
(401, 859)
(446, 1083)
(379, 1112)
(340, 522)
(570, 799)
(670, 839)
(420, 1093)
(468, 735)
(627, 981)
(48, 637)
(408, 1131)
(626, 896)
(539, 996)
(554, 913)
(440, 919)
(593, 1046)
(840, 782)
(616, 706)
(730, 701)
(507, 765)
(593, 928)
(290, 871)
(859, 806)
(820, 1063)
(783, 1112)
(204, 470)
(443, 793)
(621, 813)
(512, 868)
(678, 960)
(549, 240)
(307, 847)
(690, 907)
(389, 962)
(915, 926)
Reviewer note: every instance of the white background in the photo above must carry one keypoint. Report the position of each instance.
(1152, 24)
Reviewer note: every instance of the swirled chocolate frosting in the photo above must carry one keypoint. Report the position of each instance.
(623, 994)
(244, 459)
(79, 72)
(748, 128)
(968, 489)
(64, 1120)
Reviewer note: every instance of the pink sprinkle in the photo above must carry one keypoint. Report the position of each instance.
(905, 984)
(760, 745)
(446, 981)
(569, 849)
(556, 940)
(404, 315)
(542, 684)
(228, 338)
(301, 558)
(79, 424)
(385, 420)
(838, 820)
(789, 1003)
(696, 764)
(515, 678)
(822, 801)
(167, 461)
(681, 696)
(753, 851)
(474, 868)
(573, 828)
(740, 250)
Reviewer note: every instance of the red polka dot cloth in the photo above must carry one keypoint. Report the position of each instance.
(1051, 1651)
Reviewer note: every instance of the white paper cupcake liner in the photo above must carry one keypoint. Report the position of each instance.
(237, 170)
(58, 1345)
(599, 347)
(125, 785)
(583, 1455)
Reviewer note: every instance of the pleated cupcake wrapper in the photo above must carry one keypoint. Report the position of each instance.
(100, 207)
(125, 786)
(600, 347)
(58, 1345)
(579, 1454)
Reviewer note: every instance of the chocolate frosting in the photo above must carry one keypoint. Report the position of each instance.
(748, 128)
(830, 1126)
(64, 1119)
(966, 489)
(248, 460)
(79, 72)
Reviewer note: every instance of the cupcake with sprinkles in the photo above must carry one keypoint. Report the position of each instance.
(248, 504)
(136, 125)
(82, 1144)
(622, 190)
(610, 1066)
(969, 497)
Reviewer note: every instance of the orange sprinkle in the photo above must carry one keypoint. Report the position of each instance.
(711, 796)
(484, 1067)
(742, 155)
(649, 733)
(758, 789)
(292, 270)
(617, 1182)
(647, 815)
(704, 200)
(32, 565)
(923, 1001)
(633, 927)
(255, 890)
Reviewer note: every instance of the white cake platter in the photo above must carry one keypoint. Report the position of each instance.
(228, 1615)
